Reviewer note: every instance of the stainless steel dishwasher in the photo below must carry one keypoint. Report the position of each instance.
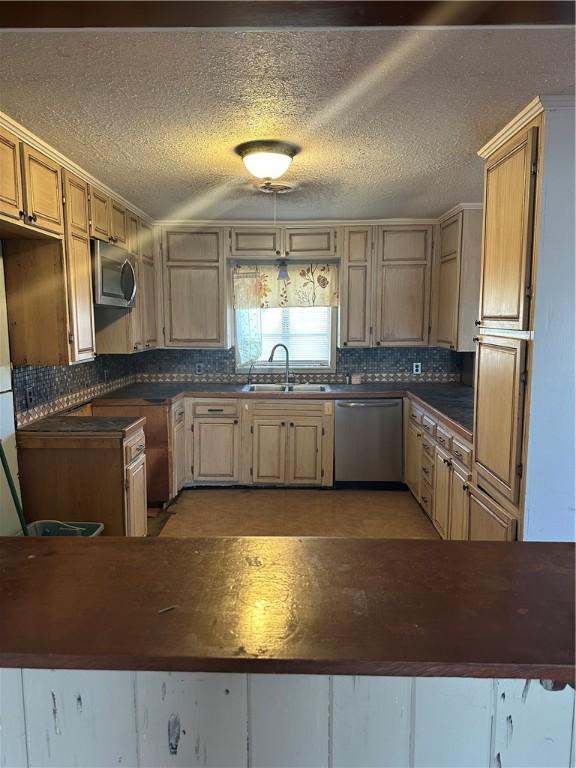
(369, 442)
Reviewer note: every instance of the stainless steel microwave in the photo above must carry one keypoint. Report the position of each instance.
(114, 275)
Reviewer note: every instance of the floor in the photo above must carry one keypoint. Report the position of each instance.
(294, 512)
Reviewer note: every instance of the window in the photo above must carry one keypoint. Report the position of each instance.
(307, 332)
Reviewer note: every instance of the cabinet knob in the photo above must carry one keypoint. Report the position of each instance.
(277, 253)
(287, 253)
(235, 421)
(425, 499)
(465, 487)
(418, 434)
(283, 423)
(476, 339)
(21, 214)
(377, 343)
(345, 344)
(291, 423)
(477, 322)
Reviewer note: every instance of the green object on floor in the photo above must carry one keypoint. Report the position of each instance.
(56, 528)
(13, 490)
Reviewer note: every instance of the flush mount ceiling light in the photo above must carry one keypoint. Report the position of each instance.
(267, 160)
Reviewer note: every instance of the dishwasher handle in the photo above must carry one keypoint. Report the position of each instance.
(367, 404)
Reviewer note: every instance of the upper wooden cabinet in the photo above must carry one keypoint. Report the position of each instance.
(256, 242)
(133, 233)
(402, 303)
(455, 300)
(147, 249)
(194, 287)
(10, 176)
(310, 243)
(79, 269)
(42, 191)
(498, 414)
(118, 223)
(356, 287)
(509, 190)
(100, 214)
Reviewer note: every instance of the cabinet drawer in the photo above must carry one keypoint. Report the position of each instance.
(134, 447)
(428, 470)
(427, 499)
(415, 414)
(428, 425)
(428, 447)
(443, 437)
(462, 453)
(216, 409)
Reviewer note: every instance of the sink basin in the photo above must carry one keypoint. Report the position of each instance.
(309, 388)
(265, 388)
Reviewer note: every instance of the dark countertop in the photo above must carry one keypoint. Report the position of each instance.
(454, 402)
(289, 605)
(85, 424)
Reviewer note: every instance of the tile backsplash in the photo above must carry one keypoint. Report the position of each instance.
(55, 388)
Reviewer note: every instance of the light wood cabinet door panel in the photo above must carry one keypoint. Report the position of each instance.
(487, 520)
(256, 242)
(179, 457)
(136, 505)
(193, 305)
(509, 184)
(100, 214)
(149, 306)
(43, 190)
(77, 216)
(80, 297)
(11, 203)
(146, 241)
(449, 282)
(403, 285)
(413, 458)
(498, 413)
(193, 246)
(459, 506)
(269, 451)
(133, 233)
(118, 223)
(310, 243)
(442, 479)
(305, 452)
(216, 450)
(356, 287)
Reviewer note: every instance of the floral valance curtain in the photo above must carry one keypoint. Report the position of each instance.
(267, 286)
(293, 285)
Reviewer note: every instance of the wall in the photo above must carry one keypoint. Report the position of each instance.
(60, 718)
(550, 503)
(58, 387)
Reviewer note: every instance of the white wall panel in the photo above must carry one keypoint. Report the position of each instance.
(9, 525)
(532, 726)
(80, 718)
(187, 719)
(12, 724)
(371, 718)
(452, 722)
(288, 720)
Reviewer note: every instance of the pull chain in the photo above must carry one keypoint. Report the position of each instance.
(275, 206)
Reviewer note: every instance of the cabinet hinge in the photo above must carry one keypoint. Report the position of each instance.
(192, 428)
(251, 430)
(70, 338)
(63, 199)
(251, 471)
(323, 431)
(321, 473)
(192, 470)
(534, 169)
(519, 470)
(524, 377)
(528, 292)
(126, 485)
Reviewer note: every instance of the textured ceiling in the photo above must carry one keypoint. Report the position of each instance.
(389, 121)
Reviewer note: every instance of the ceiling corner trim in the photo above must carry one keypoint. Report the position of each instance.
(530, 111)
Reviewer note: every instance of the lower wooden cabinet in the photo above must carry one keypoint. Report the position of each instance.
(179, 473)
(304, 451)
(459, 506)
(268, 451)
(488, 521)
(442, 484)
(216, 450)
(75, 469)
(412, 458)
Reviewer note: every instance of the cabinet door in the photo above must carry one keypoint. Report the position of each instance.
(118, 223)
(136, 508)
(509, 189)
(148, 289)
(133, 233)
(488, 521)
(216, 450)
(403, 285)
(194, 305)
(100, 214)
(459, 508)
(255, 242)
(412, 460)
(304, 452)
(78, 269)
(136, 315)
(498, 412)
(42, 190)
(146, 241)
(356, 287)
(179, 453)
(310, 243)
(10, 176)
(449, 282)
(442, 479)
(269, 451)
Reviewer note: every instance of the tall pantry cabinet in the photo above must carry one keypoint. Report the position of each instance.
(524, 380)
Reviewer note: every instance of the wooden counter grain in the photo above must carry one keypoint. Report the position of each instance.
(289, 605)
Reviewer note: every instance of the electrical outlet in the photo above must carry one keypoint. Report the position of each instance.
(416, 367)
(199, 369)
(30, 397)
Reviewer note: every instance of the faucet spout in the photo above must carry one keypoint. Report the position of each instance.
(271, 358)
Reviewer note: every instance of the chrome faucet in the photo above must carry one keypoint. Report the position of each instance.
(285, 348)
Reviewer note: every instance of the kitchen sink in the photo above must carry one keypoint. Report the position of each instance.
(284, 388)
